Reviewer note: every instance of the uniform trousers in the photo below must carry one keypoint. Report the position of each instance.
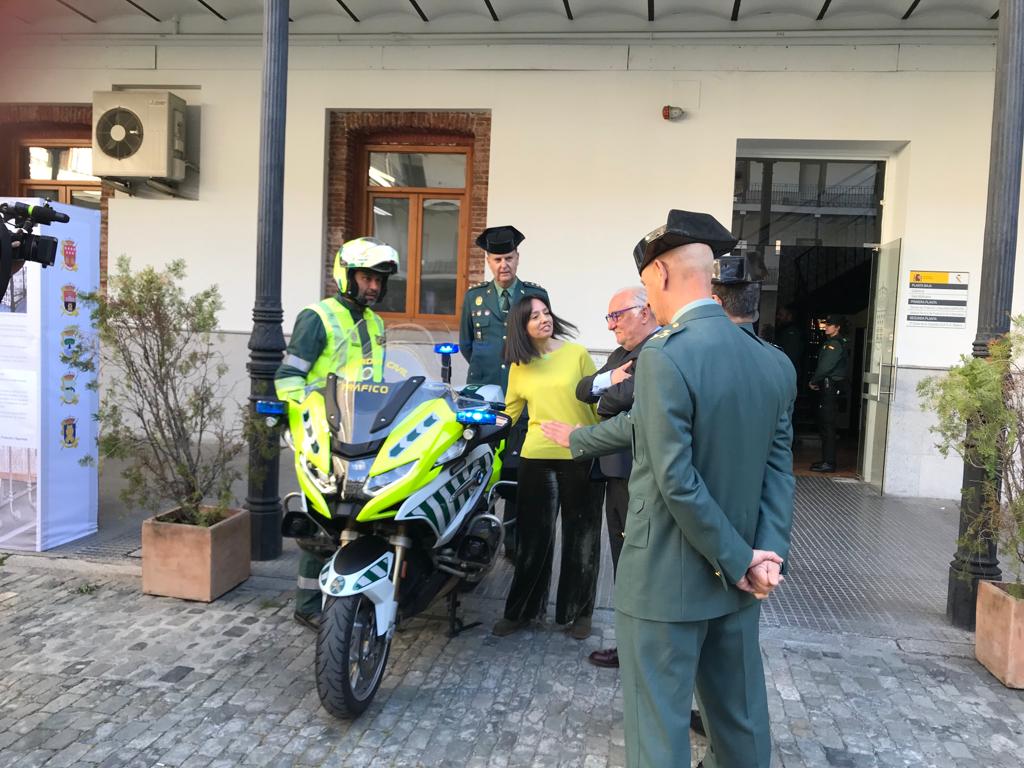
(827, 411)
(662, 661)
(616, 502)
(547, 486)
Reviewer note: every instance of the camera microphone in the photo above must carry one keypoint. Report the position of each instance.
(40, 214)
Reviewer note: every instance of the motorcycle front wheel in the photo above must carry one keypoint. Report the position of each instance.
(350, 655)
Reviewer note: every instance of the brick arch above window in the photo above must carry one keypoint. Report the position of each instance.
(33, 122)
(351, 131)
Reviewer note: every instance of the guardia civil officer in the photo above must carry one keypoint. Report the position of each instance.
(828, 380)
(710, 509)
(340, 334)
(482, 336)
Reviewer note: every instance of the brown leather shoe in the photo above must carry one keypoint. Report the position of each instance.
(580, 628)
(505, 627)
(609, 657)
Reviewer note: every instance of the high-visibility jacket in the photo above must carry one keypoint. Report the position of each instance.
(328, 339)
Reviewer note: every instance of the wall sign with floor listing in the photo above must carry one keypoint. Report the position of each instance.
(937, 299)
(47, 497)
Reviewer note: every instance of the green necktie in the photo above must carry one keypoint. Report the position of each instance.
(504, 300)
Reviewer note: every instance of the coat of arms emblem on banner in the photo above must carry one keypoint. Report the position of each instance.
(69, 339)
(69, 251)
(70, 296)
(68, 394)
(69, 432)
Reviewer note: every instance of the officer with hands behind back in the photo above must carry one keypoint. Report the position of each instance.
(482, 336)
(341, 335)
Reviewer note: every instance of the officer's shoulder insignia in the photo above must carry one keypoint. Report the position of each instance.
(481, 284)
(536, 286)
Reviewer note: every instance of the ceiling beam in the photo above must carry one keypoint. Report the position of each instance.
(135, 5)
(650, 10)
(735, 11)
(212, 10)
(911, 9)
(70, 7)
(568, 10)
(419, 10)
(348, 10)
(490, 9)
(824, 10)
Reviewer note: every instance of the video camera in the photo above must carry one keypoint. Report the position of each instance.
(18, 243)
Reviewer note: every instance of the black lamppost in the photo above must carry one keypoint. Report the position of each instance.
(266, 343)
(971, 565)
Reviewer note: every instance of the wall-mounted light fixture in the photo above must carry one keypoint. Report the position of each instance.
(672, 113)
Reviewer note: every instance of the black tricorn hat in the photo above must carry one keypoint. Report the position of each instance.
(732, 270)
(683, 228)
(500, 240)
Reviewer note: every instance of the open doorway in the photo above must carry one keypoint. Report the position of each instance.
(811, 227)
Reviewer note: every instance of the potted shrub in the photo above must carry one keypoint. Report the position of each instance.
(162, 411)
(979, 405)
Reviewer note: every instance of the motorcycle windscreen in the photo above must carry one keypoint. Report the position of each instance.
(378, 385)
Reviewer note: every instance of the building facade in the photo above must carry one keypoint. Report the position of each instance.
(557, 127)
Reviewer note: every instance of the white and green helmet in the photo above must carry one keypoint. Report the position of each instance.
(364, 253)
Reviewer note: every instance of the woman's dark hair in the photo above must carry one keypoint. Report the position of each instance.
(519, 346)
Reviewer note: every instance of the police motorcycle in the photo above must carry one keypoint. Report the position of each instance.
(399, 477)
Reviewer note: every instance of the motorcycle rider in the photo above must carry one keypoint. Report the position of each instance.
(340, 334)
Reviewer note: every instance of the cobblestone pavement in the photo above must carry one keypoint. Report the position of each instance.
(92, 672)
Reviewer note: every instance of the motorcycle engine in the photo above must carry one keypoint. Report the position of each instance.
(482, 540)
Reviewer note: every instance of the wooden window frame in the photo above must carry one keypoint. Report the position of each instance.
(413, 259)
(65, 188)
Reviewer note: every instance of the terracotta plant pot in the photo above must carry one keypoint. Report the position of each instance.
(195, 563)
(999, 634)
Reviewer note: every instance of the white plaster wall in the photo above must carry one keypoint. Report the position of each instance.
(580, 160)
(913, 466)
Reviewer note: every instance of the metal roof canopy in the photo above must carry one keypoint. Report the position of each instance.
(419, 20)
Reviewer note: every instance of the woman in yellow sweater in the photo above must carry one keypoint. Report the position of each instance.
(543, 373)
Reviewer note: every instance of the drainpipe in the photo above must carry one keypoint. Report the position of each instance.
(266, 343)
(971, 565)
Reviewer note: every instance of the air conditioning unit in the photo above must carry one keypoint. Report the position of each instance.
(138, 134)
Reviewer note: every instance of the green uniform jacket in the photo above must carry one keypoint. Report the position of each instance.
(831, 360)
(482, 330)
(711, 431)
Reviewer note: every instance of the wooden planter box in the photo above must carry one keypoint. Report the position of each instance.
(195, 563)
(999, 634)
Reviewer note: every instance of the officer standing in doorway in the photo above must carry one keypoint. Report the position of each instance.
(482, 335)
(828, 381)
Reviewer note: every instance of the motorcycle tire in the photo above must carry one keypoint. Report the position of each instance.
(350, 656)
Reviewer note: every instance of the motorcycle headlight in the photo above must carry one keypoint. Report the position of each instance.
(457, 449)
(376, 483)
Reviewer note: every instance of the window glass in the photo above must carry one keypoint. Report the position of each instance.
(86, 198)
(391, 224)
(417, 169)
(439, 258)
(60, 163)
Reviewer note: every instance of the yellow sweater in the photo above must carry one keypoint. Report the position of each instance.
(548, 386)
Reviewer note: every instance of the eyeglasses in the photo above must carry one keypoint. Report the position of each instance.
(614, 316)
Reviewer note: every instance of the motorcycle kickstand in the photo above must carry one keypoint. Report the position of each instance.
(455, 625)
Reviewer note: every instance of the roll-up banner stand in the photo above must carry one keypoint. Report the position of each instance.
(47, 496)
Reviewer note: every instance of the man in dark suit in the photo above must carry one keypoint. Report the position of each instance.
(482, 337)
(710, 509)
(632, 322)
